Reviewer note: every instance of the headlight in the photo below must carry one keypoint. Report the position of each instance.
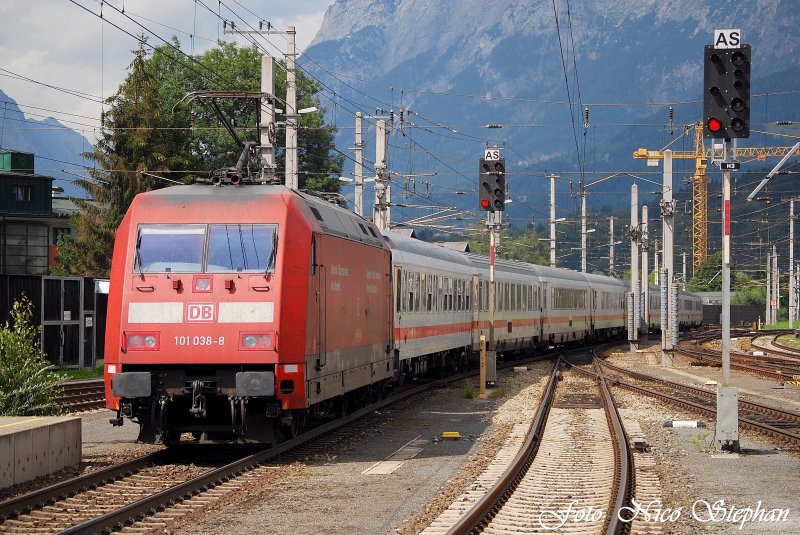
(256, 341)
(139, 341)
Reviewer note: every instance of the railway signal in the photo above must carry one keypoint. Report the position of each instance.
(492, 185)
(726, 97)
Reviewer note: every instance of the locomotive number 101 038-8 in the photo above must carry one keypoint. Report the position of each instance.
(199, 340)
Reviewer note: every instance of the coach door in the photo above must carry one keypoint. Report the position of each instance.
(477, 302)
(592, 310)
(546, 315)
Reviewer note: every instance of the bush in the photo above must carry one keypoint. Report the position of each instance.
(27, 386)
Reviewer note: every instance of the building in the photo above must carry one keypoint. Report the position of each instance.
(32, 216)
(69, 310)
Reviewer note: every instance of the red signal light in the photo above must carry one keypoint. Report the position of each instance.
(485, 203)
(714, 124)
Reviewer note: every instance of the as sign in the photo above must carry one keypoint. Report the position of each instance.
(491, 154)
(727, 38)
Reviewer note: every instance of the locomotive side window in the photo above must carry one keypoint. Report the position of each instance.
(241, 247)
(165, 248)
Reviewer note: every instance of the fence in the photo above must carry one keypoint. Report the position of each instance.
(741, 315)
(69, 310)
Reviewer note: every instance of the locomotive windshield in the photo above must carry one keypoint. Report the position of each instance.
(205, 248)
(164, 248)
(240, 247)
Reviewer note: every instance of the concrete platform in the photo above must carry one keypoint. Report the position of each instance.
(33, 446)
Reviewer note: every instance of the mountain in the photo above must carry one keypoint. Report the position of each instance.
(54, 145)
(460, 64)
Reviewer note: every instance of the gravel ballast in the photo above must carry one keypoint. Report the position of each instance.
(395, 473)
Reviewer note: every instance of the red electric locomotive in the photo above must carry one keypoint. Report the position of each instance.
(236, 310)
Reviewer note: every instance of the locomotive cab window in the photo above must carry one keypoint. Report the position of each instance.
(165, 248)
(241, 247)
(230, 248)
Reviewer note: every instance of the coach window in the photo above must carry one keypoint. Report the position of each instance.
(429, 292)
(449, 294)
(417, 291)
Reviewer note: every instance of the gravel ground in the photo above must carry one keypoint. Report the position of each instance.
(333, 496)
(693, 473)
(330, 494)
(102, 445)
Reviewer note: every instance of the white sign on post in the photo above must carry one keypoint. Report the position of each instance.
(728, 38)
(491, 154)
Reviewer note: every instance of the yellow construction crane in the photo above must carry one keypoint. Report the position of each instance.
(701, 156)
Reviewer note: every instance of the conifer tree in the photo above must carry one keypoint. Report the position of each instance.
(136, 143)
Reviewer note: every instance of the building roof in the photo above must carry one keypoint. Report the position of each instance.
(405, 232)
(460, 246)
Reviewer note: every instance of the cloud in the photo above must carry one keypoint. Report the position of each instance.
(59, 43)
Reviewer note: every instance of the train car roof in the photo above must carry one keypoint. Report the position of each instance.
(604, 279)
(410, 245)
(504, 265)
(207, 190)
(332, 219)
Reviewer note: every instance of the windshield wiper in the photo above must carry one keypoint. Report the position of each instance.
(138, 261)
(272, 254)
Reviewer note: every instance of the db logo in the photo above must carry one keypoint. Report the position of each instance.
(199, 312)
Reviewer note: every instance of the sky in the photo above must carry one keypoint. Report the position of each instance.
(59, 58)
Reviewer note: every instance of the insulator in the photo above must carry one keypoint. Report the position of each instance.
(586, 118)
(671, 115)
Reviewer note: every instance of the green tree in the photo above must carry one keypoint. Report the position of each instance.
(708, 277)
(231, 68)
(136, 142)
(27, 386)
(523, 246)
(149, 129)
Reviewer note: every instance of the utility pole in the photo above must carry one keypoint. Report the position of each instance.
(685, 282)
(268, 81)
(634, 317)
(791, 264)
(266, 127)
(611, 246)
(381, 215)
(656, 273)
(776, 294)
(583, 228)
(768, 311)
(553, 220)
(727, 436)
(493, 222)
(796, 276)
(359, 167)
(669, 317)
(292, 180)
(645, 240)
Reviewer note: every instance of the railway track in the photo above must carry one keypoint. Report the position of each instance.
(770, 342)
(570, 471)
(78, 396)
(777, 424)
(778, 368)
(150, 493)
